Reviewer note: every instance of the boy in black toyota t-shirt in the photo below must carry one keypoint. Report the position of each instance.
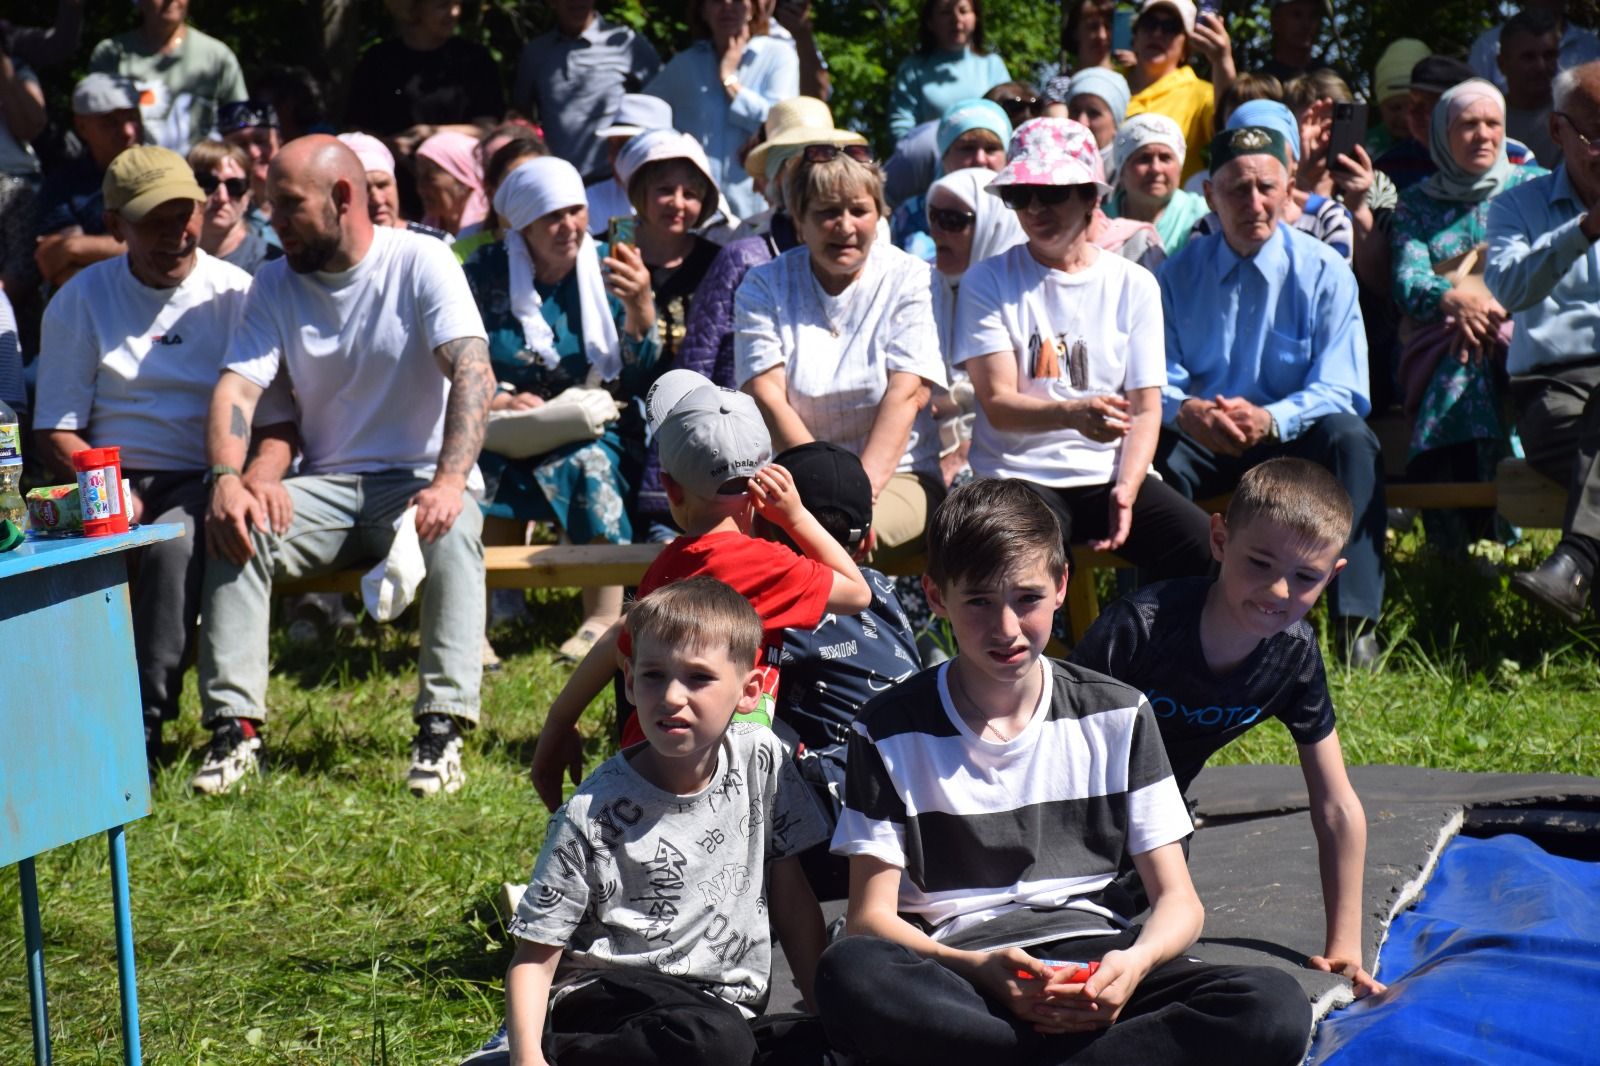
(1215, 657)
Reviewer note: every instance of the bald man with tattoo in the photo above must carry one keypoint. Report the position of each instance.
(370, 340)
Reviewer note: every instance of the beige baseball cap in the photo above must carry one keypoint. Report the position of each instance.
(144, 177)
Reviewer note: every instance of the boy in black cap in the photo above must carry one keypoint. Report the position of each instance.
(830, 670)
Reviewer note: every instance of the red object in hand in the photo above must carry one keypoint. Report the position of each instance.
(1080, 971)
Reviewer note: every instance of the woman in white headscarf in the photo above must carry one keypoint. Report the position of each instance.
(1150, 151)
(557, 322)
(967, 226)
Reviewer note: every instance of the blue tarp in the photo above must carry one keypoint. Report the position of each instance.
(1498, 963)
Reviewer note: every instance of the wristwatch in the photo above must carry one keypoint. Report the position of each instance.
(220, 470)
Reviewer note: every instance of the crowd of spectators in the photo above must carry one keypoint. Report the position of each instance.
(1125, 287)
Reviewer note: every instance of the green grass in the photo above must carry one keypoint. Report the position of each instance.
(326, 916)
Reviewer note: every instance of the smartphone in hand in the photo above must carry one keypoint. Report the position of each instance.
(1349, 129)
(622, 229)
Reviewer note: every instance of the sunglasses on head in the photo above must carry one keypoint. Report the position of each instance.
(236, 187)
(1016, 107)
(827, 153)
(1021, 197)
(948, 221)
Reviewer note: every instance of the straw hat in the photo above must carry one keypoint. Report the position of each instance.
(799, 120)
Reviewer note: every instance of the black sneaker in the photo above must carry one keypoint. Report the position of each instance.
(436, 757)
(233, 754)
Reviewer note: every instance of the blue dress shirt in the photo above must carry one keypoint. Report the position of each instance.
(1543, 270)
(769, 72)
(1281, 328)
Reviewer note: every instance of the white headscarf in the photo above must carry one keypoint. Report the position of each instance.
(994, 230)
(532, 191)
(653, 146)
(1150, 127)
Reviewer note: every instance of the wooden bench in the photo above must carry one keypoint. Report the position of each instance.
(1524, 496)
(592, 565)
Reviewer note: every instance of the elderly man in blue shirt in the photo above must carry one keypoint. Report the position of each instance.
(1267, 356)
(1543, 269)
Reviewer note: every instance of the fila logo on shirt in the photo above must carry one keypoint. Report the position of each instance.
(1045, 359)
(166, 338)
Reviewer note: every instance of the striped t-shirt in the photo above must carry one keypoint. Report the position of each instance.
(1015, 843)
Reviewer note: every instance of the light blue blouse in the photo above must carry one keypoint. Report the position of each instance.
(769, 72)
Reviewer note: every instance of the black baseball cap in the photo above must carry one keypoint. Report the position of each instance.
(827, 476)
(1439, 74)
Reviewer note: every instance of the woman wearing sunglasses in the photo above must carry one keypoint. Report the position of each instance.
(835, 340)
(222, 171)
(1066, 349)
(1162, 79)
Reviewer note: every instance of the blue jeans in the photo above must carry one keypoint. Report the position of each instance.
(343, 521)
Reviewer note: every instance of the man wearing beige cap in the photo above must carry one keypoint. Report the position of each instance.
(105, 116)
(130, 350)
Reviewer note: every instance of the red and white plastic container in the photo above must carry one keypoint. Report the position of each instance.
(101, 491)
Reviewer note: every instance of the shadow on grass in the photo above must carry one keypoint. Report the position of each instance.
(1461, 610)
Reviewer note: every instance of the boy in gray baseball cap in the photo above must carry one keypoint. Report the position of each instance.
(716, 470)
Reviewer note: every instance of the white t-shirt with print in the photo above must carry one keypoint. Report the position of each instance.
(1090, 333)
(884, 322)
(358, 346)
(123, 364)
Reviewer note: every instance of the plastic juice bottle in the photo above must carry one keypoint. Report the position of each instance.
(12, 505)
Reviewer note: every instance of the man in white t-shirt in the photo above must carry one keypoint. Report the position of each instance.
(130, 351)
(376, 333)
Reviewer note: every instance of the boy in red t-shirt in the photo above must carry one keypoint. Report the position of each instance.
(715, 466)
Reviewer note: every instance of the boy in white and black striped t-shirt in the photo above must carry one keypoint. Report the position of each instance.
(988, 803)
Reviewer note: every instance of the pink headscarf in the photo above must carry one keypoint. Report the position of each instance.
(456, 154)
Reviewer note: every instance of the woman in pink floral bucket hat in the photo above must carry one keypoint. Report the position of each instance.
(1066, 348)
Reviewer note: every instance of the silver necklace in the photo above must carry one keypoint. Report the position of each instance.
(988, 726)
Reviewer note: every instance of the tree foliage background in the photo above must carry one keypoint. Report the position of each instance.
(864, 40)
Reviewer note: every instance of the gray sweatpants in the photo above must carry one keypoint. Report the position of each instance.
(343, 521)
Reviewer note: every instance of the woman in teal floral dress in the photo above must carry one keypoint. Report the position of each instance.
(556, 321)
(1453, 368)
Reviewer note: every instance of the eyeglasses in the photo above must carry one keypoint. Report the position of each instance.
(1017, 107)
(1021, 197)
(827, 153)
(236, 187)
(1590, 144)
(1170, 26)
(948, 221)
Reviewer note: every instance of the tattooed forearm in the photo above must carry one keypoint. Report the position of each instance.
(238, 426)
(472, 386)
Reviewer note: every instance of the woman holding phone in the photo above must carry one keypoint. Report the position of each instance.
(1065, 346)
(564, 313)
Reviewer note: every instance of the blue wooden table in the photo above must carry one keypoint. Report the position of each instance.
(72, 763)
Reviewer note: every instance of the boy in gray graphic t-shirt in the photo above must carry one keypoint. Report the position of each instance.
(643, 936)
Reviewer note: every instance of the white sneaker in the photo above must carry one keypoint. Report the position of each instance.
(436, 757)
(230, 758)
